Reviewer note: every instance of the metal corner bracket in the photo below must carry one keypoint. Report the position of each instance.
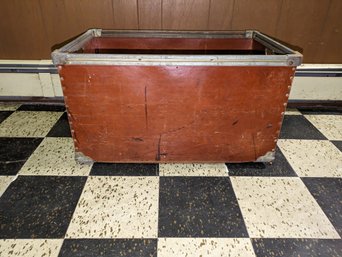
(268, 157)
(83, 159)
(97, 32)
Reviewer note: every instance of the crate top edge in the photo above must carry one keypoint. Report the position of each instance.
(65, 56)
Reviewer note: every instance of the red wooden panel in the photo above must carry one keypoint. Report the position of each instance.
(175, 113)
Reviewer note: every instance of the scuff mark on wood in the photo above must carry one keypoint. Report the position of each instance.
(139, 139)
(146, 114)
(254, 147)
(180, 128)
(158, 148)
(235, 122)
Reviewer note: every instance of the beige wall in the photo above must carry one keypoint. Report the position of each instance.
(31, 28)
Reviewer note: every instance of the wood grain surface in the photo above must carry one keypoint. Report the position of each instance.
(30, 29)
(175, 113)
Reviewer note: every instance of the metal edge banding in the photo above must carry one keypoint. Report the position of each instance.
(294, 58)
(263, 39)
(63, 55)
(59, 55)
(176, 63)
(176, 34)
(78, 42)
(176, 60)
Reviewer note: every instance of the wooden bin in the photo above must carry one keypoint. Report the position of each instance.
(157, 96)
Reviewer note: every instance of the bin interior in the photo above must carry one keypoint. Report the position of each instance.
(193, 46)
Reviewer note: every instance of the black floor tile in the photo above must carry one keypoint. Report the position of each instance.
(109, 247)
(278, 168)
(298, 127)
(42, 107)
(268, 247)
(199, 207)
(14, 152)
(4, 115)
(316, 111)
(61, 128)
(124, 169)
(338, 144)
(328, 194)
(39, 206)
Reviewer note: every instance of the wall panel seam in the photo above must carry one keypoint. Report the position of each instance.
(138, 16)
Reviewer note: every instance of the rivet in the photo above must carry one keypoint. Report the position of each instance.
(59, 67)
(287, 95)
(62, 78)
(282, 113)
(291, 78)
(284, 104)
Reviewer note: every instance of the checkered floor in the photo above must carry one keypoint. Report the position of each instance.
(53, 206)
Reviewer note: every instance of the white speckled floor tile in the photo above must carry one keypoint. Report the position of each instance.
(30, 248)
(55, 157)
(292, 112)
(329, 125)
(312, 158)
(117, 207)
(232, 247)
(5, 181)
(193, 169)
(28, 124)
(280, 208)
(8, 106)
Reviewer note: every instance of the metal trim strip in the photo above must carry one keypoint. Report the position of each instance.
(64, 55)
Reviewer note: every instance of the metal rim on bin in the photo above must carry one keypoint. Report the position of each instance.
(285, 56)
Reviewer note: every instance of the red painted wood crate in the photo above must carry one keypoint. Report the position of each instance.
(157, 96)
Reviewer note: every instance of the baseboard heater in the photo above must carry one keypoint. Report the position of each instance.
(312, 72)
